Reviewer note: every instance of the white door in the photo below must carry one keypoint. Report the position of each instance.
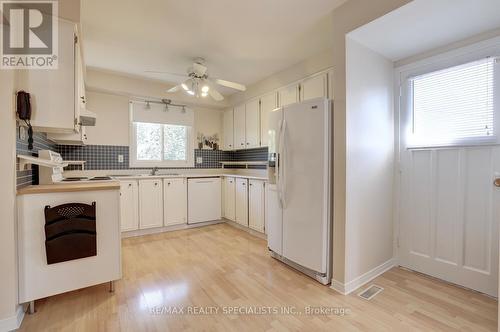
(174, 201)
(150, 204)
(239, 127)
(314, 87)
(228, 130)
(241, 204)
(252, 124)
(229, 199)
(129, 206)
(267, 104)
(256, 205)
(305, 183)
(204, 200)
(288, 95)
(449, 215)
(449, 206)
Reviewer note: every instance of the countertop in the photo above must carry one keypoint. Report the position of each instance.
(194, 175)
(69, 187)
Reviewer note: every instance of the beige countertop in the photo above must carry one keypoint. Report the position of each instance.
(69, 187)
(192, 175)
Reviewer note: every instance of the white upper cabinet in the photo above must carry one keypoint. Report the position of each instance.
(256, 201)
(53, 92)
(239, 127)
(150, 204)
(129, 204)
(229, 198)
(288, 95)
(252, 124)
(314, 87)
(331, 92)
(228, 130)
(267, 103)
(241, 202)
(174, 201)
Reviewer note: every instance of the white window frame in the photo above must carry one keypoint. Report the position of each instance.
(449, 59)
(133, 162)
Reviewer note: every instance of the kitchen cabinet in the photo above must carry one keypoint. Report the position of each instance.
(228, 130)
(288, 95)
(241, 202)
(252, 124)
(75, 138)
(229, 198)
(174, 201)
(314, 87)
(256, 202)
(268, 103)
(239, 127)
(129, 206)
(150, 203)
(331, 92)
(54, 92)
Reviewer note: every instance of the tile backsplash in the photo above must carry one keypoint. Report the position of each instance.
(40, 142)
(106, 157)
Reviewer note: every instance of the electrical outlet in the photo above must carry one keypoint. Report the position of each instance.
(22, 133)
(120, 158)
(199, 160)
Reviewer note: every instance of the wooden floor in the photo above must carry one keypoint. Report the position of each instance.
(221, 267)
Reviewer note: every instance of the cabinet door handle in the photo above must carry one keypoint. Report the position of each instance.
(156, 183)
(130, 184)
(248, 143)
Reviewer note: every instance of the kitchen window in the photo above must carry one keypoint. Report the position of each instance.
(161, 137)
(455, 106)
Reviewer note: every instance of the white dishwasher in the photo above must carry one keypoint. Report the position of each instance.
(204, 199)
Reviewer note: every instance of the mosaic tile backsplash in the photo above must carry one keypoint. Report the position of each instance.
(105, 157)
(40, 142)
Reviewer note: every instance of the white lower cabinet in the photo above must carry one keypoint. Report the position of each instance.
(256, 201)
(229, 198)
(174, 201)
(241, 202)
(150, 204)
(129, 206)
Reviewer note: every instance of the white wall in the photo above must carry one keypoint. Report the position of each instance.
(370, 160)
(8, 256)
(113, 119)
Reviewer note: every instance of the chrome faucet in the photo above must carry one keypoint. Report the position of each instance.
(154, 170)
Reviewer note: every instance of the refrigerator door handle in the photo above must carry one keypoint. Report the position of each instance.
(283, 147)
(278, 166)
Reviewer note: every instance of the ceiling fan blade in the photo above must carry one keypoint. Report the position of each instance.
(174, 89)
(213, 92)
(231, 85)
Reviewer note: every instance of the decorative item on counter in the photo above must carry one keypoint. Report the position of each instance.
(209, 141)
(201, 139)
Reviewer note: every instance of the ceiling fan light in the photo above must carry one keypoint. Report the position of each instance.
(184, 86)
(205, 89)
(204, 94)
(190, 92)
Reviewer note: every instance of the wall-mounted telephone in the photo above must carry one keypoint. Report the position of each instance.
(23, 109)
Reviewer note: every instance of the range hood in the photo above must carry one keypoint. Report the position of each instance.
(87, 118)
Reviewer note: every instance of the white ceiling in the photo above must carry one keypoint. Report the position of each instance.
(423, 25)
(242, 41)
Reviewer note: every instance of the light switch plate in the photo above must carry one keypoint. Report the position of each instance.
(22, 133)
(199, 160)
(120, 158)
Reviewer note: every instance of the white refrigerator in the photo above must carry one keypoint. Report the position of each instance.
(299, 230)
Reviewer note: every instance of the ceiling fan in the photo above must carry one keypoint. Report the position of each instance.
(198, 83)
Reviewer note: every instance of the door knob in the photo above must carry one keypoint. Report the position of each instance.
(497, 182)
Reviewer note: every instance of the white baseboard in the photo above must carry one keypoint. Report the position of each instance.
(14, 322)
(352, 285)
(246, 229)
(172, 228)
